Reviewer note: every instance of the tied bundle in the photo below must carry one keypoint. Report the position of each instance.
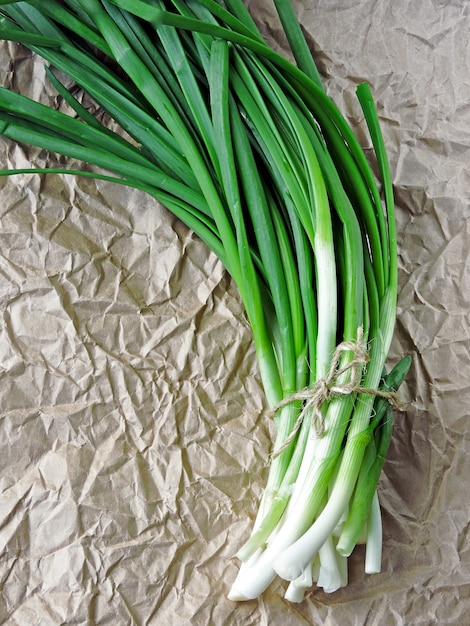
(245, 147)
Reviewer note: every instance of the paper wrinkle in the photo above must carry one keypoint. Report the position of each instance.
(134, 440)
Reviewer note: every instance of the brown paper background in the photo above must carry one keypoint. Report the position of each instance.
(133, 452)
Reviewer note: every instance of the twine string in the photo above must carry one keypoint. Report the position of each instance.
(332, 386)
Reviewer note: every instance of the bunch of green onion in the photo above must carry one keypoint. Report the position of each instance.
(245, 147)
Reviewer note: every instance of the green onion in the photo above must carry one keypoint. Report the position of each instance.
(248, 150)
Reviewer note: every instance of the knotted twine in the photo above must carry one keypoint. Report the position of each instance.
(324, 389)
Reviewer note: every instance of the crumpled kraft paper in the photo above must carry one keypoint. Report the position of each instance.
(133, 442)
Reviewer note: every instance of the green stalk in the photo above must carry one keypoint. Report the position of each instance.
(382, 426)
(272, 514)
(251, 295)
(194, 101)
(314, 213)
(297, 41)
(257, 206)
